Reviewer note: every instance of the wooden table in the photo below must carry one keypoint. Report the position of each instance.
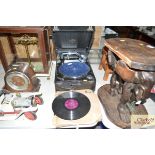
(135, 53)
(133, 65)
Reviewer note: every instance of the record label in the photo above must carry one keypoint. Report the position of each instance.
(71, 104)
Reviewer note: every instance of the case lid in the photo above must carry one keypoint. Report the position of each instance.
(73, 38)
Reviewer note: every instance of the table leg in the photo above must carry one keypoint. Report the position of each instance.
(104, 64)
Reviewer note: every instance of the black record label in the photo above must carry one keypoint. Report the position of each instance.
(71, 105)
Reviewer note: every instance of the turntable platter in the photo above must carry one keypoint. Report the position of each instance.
(74, 69)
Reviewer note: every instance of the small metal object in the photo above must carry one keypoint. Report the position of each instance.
(89, 77)
(56, 28)
(26, 41)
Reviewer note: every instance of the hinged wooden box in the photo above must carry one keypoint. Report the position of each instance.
(26, 44)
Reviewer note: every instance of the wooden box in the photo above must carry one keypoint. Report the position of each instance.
(39, 49)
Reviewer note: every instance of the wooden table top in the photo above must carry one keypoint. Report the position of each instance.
(135, 53)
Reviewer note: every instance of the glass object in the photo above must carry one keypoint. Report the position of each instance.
(27, 44)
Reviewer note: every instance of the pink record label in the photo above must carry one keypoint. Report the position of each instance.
(71, 104)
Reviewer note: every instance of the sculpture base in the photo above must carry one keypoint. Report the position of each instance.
(110, 104)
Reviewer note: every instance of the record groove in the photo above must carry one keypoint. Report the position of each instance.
(71, 105)
(74, 69)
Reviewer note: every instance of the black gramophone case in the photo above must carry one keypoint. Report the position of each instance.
(73, 70)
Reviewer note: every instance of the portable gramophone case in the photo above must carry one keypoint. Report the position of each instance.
(73, 70)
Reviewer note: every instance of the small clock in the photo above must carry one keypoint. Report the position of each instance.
(20, 77)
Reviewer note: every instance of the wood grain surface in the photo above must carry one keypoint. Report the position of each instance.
(110, 104)
(135, 53)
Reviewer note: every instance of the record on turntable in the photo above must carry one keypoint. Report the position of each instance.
(76, 108)
(74, 69)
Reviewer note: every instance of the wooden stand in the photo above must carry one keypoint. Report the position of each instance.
(132, 79)
(110, 104)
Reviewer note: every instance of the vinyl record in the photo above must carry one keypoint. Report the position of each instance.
(71, 105)
(74, 69)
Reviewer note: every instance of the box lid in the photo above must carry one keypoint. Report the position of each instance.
(73, 38)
